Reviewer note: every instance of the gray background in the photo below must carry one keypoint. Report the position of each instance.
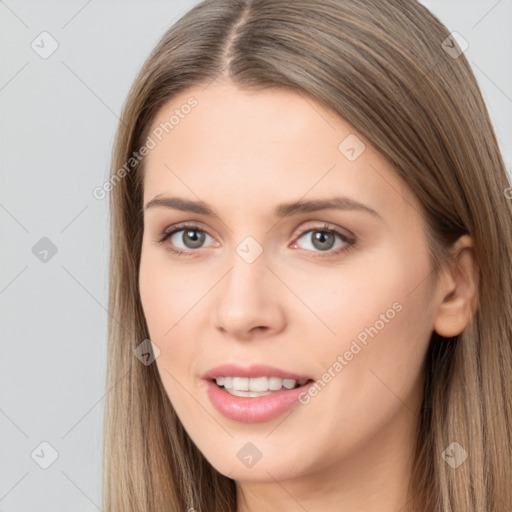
(58, 117)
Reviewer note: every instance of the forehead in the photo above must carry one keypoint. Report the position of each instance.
(227, 145)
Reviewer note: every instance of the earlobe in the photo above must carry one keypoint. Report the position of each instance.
(458, 290)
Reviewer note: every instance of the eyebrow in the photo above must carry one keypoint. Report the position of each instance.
(281, 210)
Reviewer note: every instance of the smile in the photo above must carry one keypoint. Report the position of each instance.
(247, 406)
(257, 386)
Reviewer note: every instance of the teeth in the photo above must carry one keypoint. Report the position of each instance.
(256, 384)
(275, 383)
(240, 384)
(289, 383)
(250, 394)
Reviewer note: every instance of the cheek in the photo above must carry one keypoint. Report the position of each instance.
(381, 318)
(162, 299)
(376, 290)
(160, 295)
(171, 300)
(167, 291)
(369, 372)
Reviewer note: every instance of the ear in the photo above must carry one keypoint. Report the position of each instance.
(458, 289)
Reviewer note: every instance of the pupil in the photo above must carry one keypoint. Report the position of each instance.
(320, 237)
(195, 240)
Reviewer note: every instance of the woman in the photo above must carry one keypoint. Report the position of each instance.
(310, 223)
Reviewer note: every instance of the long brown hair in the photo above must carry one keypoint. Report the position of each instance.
(392, 70)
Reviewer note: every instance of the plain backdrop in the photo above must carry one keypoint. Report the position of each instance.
(58, 116)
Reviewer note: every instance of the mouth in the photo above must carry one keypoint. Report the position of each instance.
(254, 387)
(254, 394)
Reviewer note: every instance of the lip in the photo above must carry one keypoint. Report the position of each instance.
(254, 370)
(253, 410)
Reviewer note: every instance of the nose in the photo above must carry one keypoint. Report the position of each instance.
(248, 301)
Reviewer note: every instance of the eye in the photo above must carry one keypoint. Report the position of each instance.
(190, 237)
(325, 239)
(184, 239)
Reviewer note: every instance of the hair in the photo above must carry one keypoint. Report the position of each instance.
(383, 68)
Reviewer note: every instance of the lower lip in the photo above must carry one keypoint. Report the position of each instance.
(254, 410)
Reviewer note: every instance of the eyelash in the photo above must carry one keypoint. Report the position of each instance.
(349, 242)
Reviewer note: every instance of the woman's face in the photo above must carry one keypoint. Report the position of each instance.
(283, 287)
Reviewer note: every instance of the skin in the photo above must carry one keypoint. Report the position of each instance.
(295, 307)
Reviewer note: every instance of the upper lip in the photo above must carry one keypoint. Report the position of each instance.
(253, 370)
